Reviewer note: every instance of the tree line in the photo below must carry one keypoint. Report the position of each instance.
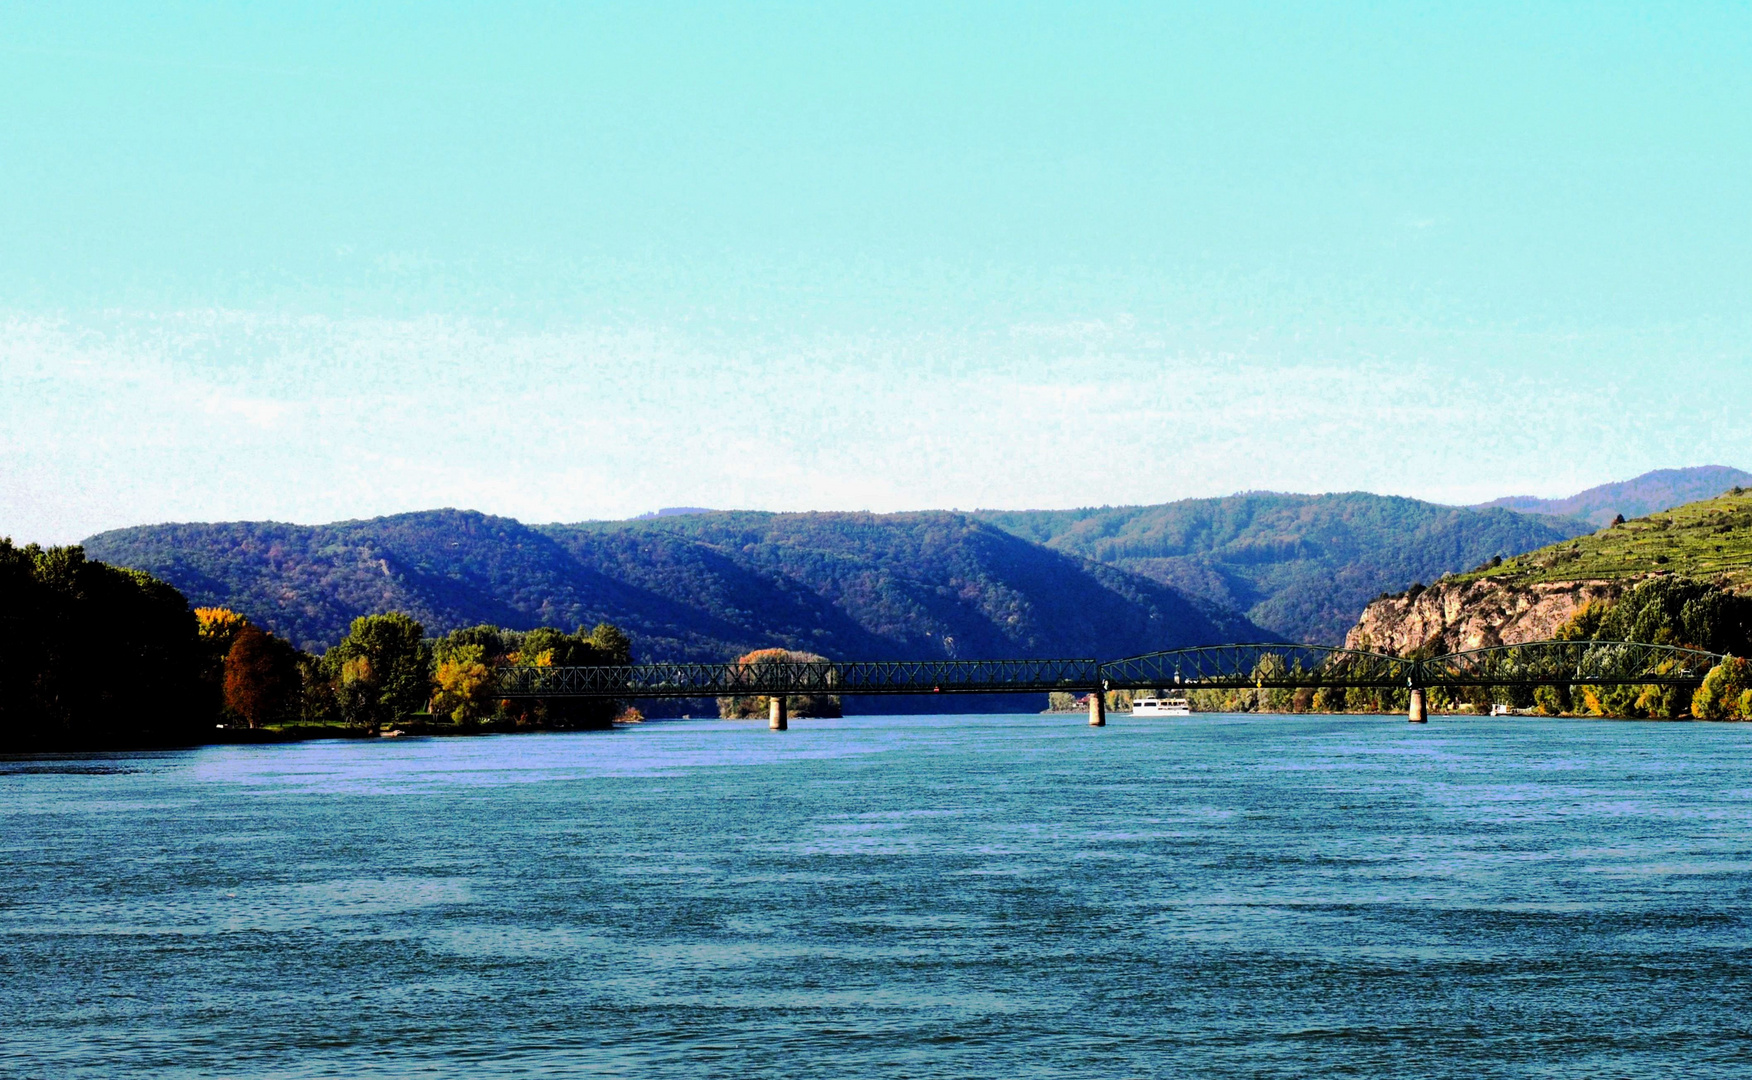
(95, 656)
(1666, 610)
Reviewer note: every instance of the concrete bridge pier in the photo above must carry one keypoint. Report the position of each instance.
(776, 712)
(1418, 714)
(1097, 707)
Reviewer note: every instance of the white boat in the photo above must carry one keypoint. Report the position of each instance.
(1161, 706)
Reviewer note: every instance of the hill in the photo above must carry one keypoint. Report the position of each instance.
(1710, 540)
(1529, 597)
(1301, 566)
(1647, 494)
(698, 586)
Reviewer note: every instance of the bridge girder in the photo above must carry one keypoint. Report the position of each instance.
(1245, 666)
(769, 678)
(1259, 665)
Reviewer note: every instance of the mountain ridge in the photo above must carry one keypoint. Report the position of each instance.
(685, 587)
(705, 584)
(1302, 566)
(1652, 492)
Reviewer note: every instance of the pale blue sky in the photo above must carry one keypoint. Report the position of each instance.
(561, 263)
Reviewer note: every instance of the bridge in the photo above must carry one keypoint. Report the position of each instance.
(1260, 666)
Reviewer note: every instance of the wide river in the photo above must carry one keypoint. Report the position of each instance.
(995, 896)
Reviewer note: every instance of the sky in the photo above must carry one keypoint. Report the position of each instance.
(308, 262)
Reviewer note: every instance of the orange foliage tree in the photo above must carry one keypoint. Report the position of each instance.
(262, 682)
(756, 706)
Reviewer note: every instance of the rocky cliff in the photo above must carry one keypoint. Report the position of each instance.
(1474, 614)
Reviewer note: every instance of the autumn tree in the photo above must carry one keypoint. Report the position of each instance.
(758, 705)
(464, 681)
(219, 625)
(262, 682)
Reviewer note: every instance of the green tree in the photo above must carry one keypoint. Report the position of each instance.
(1584, 624)
(611, 645)
(95, 656)
(381, 670)
(1719, 698)
(491, 639)
(317, 702)
(1680, 611)
(1271, 666)
(1667, 610)
(1552, 700)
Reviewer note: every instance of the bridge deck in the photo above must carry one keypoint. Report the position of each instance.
(1261, 666)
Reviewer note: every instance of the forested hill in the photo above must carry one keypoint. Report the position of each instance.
(703, 586)
(1301, 566)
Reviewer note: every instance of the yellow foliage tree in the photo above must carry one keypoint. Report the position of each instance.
(465, 685)
(218, 625)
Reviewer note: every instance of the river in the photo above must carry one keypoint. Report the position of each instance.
(1002, 896)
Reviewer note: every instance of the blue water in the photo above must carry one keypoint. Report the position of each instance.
(1009, 896)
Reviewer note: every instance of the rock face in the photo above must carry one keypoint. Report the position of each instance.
(1473, 615)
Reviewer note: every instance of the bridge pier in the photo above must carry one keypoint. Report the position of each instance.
(1097, 707)
(1418, 713)
(776, 712)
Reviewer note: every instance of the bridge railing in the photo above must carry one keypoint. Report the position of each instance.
(769, 678)
(1260, 666)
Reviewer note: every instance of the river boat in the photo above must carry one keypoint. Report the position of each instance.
(1162, 706)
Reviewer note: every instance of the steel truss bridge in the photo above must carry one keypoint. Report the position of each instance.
(1208, 667)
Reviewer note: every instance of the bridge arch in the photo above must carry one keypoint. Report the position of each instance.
(1572, 663)
(1257, 665)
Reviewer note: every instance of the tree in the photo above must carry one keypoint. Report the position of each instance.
(381, 670)
(1719, 698)
(262, 682)
(95, 656)
(465, 684)
(757, 706)
(1584, 624)
(1666, 610)
(611, 645)
(1552, 700)
(1271, 667)
(219, 625)
(1680, 611)
(465, 665)
(317, 702)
